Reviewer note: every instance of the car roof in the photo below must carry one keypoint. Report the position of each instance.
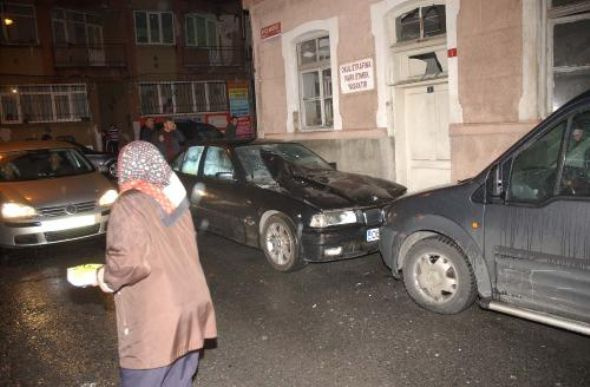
(12, 146)
(243, 142)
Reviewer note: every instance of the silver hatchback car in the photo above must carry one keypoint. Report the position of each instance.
(50, 193)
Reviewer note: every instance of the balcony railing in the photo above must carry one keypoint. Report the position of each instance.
(78, 55)
(219, 56)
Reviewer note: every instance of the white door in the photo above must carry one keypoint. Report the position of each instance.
(426, 127)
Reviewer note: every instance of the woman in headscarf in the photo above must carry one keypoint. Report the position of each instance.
(163, 305)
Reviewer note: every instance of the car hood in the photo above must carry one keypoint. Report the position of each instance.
(56, 191)
(331, 189)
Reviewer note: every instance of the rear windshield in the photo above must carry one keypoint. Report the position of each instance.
(42, 164)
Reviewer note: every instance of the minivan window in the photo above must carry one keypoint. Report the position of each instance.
(534, 171)
(575, 180)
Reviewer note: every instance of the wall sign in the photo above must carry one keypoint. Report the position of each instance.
(239, 106)
(357, 76)
(270, 31)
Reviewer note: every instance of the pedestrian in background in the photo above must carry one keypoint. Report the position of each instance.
(164, 309)
(112, 139)
(230, 129)
(146, 133)
(169, 140)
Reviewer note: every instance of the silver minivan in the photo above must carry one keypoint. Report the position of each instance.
(50, 193)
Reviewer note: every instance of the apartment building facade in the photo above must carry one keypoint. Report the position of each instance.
(423, 92)
(77, 67)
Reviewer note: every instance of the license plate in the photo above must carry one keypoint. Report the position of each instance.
(69, 223)
(372, 234)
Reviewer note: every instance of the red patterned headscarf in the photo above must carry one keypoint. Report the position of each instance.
(142, 167)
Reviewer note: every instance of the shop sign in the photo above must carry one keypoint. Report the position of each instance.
(239, 106)
(357, 76)
(270, 31)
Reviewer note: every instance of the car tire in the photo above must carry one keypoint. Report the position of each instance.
(438, 276)
(280, 245)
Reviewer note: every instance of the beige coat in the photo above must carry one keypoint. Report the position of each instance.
(163, 305)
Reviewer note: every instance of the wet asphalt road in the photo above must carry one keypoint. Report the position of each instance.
(340, 324)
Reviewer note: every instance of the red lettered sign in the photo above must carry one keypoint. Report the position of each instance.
(270, 31)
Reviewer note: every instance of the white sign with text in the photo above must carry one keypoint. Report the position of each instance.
(357, 76)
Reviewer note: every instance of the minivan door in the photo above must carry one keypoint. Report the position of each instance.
(537, 237)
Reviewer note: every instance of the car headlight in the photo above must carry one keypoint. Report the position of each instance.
(332, 218)
(108, 198)
(17, 210)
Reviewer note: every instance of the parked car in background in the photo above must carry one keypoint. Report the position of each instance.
(103, 161)
(516, 235)
(50, 193)
(196, 132)
(284, 199)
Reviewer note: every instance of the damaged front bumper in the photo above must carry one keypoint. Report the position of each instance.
(325, 245)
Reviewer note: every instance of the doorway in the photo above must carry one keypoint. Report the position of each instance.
(426, 124)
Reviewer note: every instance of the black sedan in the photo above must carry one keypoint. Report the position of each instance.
(196, 132)
(284, 199)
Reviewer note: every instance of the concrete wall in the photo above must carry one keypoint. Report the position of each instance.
(354, 42)
(490, 62)
(359, 145)
(368, 156)
(19, 60)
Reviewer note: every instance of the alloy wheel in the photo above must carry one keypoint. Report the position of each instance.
(279, 243)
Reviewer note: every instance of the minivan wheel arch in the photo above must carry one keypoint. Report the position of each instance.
(482, 276)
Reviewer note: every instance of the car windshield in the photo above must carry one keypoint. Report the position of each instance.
(259, 161)
(42, 163)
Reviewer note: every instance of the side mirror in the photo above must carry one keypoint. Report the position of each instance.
(333, 165)
(496, 184)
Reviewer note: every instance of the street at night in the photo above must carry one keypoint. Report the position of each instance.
(346, 323)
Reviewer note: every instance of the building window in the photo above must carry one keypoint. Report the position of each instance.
(154, 27)
(78, 28)
(421, 23)
(182, 97)
(315, 79)
(19, 25)
(569, 63)
(44, 103)
(201, 31)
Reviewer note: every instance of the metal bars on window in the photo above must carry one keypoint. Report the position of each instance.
(182, 97)
(44, 103)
